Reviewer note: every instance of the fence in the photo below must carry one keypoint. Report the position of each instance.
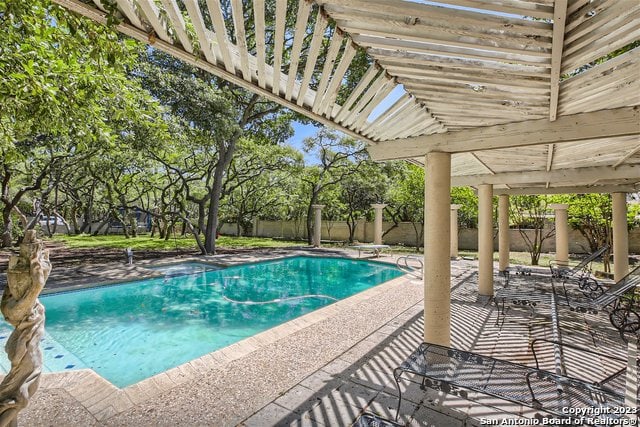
(405, 234)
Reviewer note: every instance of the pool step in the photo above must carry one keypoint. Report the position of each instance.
(56, 357)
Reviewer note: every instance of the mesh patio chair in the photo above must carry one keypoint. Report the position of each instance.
(565, 272)
(456, 371)
(621, 300)
(371, 420)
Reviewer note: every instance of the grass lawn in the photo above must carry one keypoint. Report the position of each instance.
(145, 242)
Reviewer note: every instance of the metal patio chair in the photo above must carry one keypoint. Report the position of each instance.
(456, 371)
(566, 272)
(621, 300)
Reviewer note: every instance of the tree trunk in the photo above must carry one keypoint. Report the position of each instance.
(212, 215)
(314, 200)
(101, 225)
(215, 193)
(351, 225)
(7, 224)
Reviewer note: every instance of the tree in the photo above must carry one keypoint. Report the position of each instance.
(359, 190)
(256, 181)
(408, 197)
(63, 87)
(339, 157)
(529, 214)
(209, 134)
(214, 115)
(591, 215)
(468, 201)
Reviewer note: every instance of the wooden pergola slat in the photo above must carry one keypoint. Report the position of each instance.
(312, 55)
(384, 91)
(258, 13)
(367, 77)
(364, 99)
(237, 12)
(198, 24)
(220, 29)
(559, 20)
(298, 39)
(178, 24)
(278, 43)
(327, 69)
(538, 60)
(151, 13)
(129, 11)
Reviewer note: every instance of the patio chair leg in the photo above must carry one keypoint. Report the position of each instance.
(500, 311)
(396, 377)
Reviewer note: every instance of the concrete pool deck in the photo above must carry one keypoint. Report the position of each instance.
(323, 368)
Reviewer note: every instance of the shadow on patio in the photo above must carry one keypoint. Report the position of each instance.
(361, 379)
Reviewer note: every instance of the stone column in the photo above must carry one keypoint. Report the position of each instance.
(620, 236)
(485, 240)
(503, 232)
(317, 225)
(377, 230)
(453, 247)
(437, 265)
(562, 233)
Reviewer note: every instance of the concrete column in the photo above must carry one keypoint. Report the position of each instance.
(454, 231)
(620, 236)
(437, 265)
(317, 225)
(377, 229)
(503, 232)
(562, 233)
(485, 240)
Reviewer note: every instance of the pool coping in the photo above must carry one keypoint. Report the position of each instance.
(103, 400)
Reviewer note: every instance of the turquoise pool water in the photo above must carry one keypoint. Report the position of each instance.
(183, 268)
(135, 330)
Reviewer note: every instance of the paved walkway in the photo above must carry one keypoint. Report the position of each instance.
(324, 368)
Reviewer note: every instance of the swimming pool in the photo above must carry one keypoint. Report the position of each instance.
(135, 330)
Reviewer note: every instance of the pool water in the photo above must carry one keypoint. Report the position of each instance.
(183, 268)
(132, 331)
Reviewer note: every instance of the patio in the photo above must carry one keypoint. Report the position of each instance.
(326, 367)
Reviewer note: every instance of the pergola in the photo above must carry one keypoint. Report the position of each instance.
(507, 96)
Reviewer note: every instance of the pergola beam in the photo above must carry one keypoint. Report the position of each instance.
(598, 124)
(580, 189)
(178, 52)
(577, 175)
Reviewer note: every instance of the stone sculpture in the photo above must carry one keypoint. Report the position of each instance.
(26, 277)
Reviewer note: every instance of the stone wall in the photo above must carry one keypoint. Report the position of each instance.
(405, 234)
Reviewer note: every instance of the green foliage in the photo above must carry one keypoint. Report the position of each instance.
(66, 98)
(58, 70)
(408, 197)
(258, 182)
(591, 215)
(529, 215)
(468, 201)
